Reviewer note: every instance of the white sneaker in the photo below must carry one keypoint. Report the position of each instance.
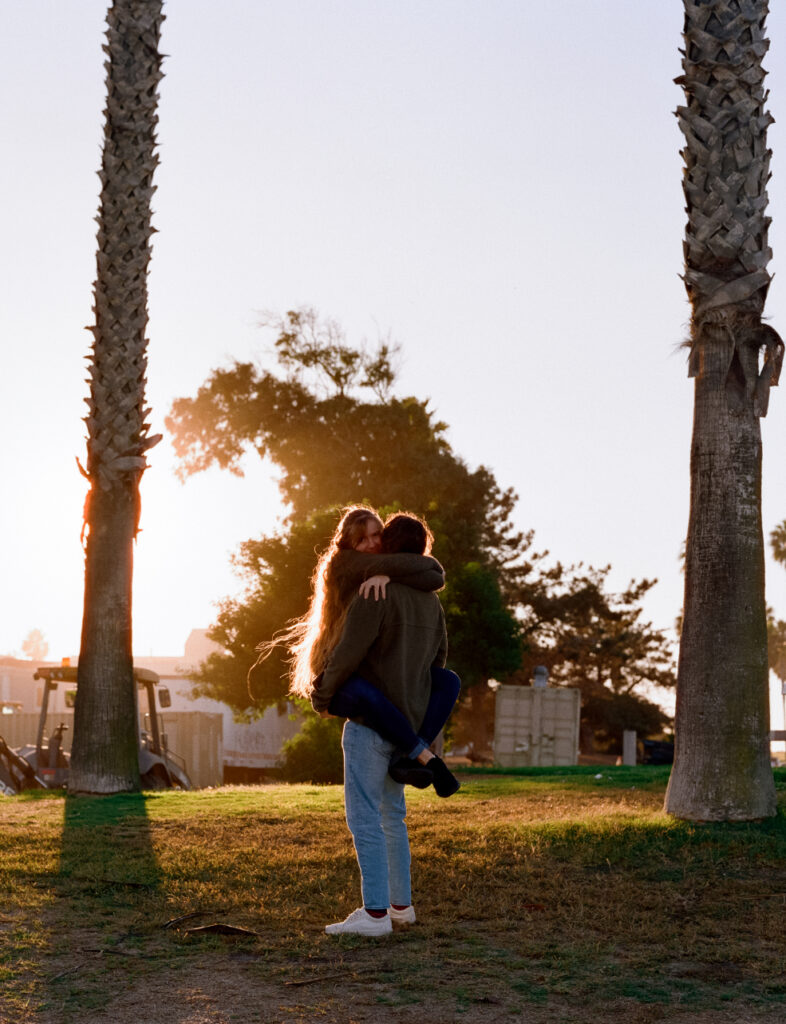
(360, 922)
(405, 916)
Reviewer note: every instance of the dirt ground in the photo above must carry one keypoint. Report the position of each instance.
(236, 987)
(230, 995)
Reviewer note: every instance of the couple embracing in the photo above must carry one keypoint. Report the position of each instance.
(372, 649)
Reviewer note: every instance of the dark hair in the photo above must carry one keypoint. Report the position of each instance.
(406, 532)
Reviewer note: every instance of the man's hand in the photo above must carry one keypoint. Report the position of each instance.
(375, 583)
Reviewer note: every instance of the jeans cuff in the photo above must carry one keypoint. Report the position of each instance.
(419, 747)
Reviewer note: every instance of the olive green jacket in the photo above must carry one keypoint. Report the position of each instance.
(392, 643)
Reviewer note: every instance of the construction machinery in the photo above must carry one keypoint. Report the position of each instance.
(45, 763)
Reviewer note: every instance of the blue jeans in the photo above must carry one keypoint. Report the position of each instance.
(376, 813)
(358, 698)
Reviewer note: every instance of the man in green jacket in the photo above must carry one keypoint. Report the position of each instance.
(393, 644)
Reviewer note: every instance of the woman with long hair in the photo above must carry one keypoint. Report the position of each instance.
(355, 559)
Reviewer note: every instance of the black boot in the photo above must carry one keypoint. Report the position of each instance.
(410, 773)
(445, 782)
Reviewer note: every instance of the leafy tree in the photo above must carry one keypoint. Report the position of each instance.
(597, 641)
(484, 638)
(606, 715)
(104, 757)
(776, 645)
(485, 642)
(314, 754)
(778, 543)
(328, 421)
(776, 628)
(34, 645)
(336, 439)
(722, 769)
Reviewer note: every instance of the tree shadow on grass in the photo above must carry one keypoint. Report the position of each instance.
(106, 889)
(106, 843)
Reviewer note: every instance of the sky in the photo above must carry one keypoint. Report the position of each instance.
(496, 184)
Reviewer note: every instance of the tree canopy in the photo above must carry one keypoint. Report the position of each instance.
(336, 436)
(327, 421)
(597, 641)
(34, 645)
(327, 418)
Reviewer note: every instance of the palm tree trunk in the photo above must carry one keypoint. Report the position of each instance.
(105, 751)
(104, 756)
(721, 769)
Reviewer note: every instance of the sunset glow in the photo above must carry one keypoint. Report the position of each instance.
(398, 168)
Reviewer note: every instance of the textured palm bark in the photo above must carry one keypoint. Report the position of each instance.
(104, 753)
(721, 769)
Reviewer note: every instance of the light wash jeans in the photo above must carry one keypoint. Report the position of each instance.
(376, 812)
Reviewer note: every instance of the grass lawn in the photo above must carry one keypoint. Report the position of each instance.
(549, 895)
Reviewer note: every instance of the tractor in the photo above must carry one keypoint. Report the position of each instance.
(45, 763)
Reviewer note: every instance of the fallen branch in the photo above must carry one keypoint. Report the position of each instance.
(175, 921)
(312, 981)
(71, 970)
(112, 952)
(221, 929)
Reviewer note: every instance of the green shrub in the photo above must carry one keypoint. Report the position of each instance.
(314, 755)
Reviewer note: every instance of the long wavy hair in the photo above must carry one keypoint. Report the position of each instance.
(311, 638)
